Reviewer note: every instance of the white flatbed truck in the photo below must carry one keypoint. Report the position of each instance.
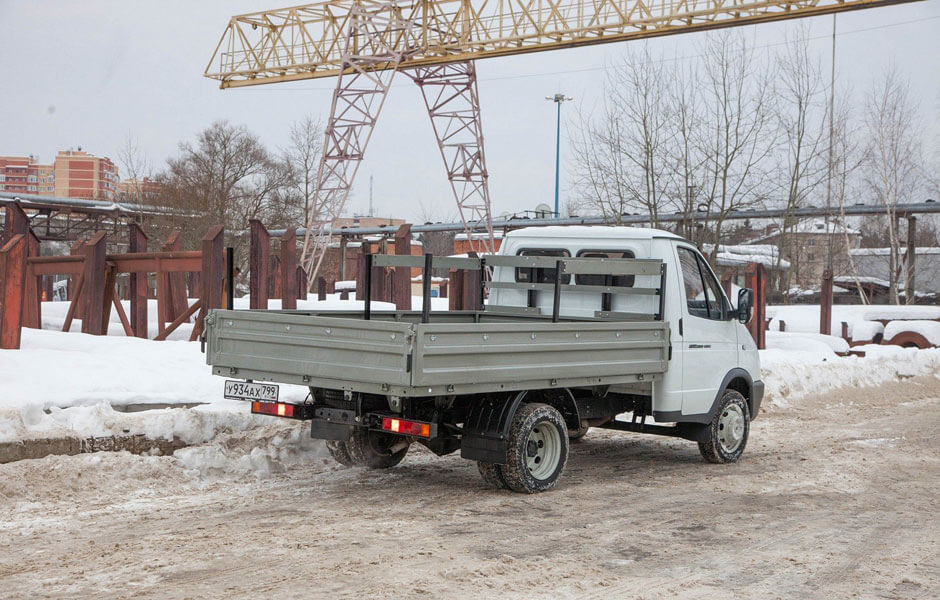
(582, 325)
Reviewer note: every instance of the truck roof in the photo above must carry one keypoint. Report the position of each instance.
(619, 232)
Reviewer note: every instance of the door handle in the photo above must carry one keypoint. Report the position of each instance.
(699, 346)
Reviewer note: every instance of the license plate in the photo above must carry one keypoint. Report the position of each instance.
(243, 390)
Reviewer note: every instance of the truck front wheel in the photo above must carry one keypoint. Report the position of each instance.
(538, 449)
(376, 450)
(726, 435)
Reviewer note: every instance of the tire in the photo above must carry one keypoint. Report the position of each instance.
(339, 452)
(376, 450)
(726, 435)
(538, 449)
(492, 475)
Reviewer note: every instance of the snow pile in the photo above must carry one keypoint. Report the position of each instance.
(192, 425)
(930, 330)
(791, 374)
(805, 342)
(865, 331)
(811, 347)
(261, 452)
(61, 384)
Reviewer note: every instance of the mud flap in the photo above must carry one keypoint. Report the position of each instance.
(486, 430)
(332, 424)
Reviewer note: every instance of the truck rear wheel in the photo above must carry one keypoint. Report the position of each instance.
(726, 435)
(339, 452)
(492, 474)
(538, 449)
(376, 450)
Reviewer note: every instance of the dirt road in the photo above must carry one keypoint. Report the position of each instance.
(834, 498)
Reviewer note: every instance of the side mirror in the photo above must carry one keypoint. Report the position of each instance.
(745, 303)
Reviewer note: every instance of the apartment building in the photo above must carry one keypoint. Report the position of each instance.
(25, 175)
(82, 175)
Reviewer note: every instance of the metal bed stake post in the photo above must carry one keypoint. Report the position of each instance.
(662, 293)
(367, 288)
(426, 289)
(556, 300)
(482, 283)
(230, 278)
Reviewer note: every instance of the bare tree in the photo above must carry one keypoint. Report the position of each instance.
(623, 155)
(226, 177)
(137, 169)
(685, 99)
(303, 156)
(738, 135)
(893, 159)
(801, 118)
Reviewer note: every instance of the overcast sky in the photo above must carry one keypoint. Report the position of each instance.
(89, 73)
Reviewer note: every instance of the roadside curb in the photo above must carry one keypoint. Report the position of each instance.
(70, 446)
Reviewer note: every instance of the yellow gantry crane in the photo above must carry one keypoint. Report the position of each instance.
(363, 43)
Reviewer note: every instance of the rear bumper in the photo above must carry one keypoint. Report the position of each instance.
(757, 394)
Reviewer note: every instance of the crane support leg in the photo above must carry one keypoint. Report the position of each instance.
(450, 95)
(370, 60)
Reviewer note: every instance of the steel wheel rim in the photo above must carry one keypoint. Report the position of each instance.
(543, 450)
(731, 428)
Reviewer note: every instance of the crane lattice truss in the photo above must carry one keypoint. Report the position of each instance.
(364, 42)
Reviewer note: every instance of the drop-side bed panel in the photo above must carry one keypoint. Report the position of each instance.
(464, 354)
(278, 346)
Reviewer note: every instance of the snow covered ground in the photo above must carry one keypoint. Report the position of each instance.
(74, 384)
(805, 317)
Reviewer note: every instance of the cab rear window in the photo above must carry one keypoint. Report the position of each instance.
(541, 275)
(616, 280)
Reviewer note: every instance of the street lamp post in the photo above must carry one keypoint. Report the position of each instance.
(557, 99)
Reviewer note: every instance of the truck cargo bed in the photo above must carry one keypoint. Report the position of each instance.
(461, 352)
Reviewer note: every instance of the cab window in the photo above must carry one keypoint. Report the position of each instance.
(692, 281)
(541, 275)
(702, 293)
(616, 280)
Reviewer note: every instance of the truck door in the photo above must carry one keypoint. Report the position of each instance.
(709, 338)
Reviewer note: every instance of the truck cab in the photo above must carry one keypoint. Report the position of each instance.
(712, 349)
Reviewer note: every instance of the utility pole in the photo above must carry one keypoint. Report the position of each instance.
(557, 99)
(832, 107)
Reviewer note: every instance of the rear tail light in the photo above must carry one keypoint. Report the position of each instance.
(275, 409)
(404, 427)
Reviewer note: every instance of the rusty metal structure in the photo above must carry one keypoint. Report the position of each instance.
(69, 219)
(364, 42)
(93, 272)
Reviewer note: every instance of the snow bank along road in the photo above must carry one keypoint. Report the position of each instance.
(835, 496)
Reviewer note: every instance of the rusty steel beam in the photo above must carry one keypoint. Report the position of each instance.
(94, 277)
(32, 312)
(211, 277)
(401, 279)
(12, 290)
(289, 269)
(136, 243)
(75, 302)
(825, 304)
(258, 264)
(175, 282)
(756, 279)
(184, 261)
